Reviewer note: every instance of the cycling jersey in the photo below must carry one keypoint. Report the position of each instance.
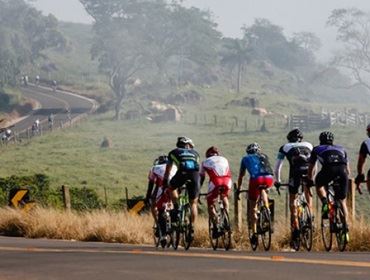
(365, 148)
(187, 162)
(333, 159)
(297, 154)
(184, 159)
(156, 175)
(256, 164)
(329, 155)
(218, 170)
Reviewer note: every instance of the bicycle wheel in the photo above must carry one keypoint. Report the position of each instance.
(226, 229)
(187, 227)
(306, 228)
(326, 234)
(341, 228)
(265, 227)
(213, 233)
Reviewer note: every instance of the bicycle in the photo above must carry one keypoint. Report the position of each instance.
(163, 232)
(336, 222)
(219, 227)
(305, 223)
(183, 228)
(264, 223)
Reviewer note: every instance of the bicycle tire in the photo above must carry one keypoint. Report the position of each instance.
(306, 228)
(265, 227)
(187, 227)
(226, 229)
(341, 225)
(326, 234)
(211, 228)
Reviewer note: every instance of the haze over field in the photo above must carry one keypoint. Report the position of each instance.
(292, 15)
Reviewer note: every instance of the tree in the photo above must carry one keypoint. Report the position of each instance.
(353, 30)
(236, 53)
(134, 37)
(24, 34)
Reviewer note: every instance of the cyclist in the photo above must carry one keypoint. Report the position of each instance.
(156, 196)
(261, 174)
(334, 162)
(364, 151)
(218, 169)
(298, 153)
(186, 160)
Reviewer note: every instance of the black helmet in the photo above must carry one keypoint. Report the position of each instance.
(326, 138)
(212, 151)
(162, 159)
(253, 148)
(295, 135)
(182, 141)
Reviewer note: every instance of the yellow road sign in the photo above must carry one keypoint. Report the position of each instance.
(17, 197)
(137, 207)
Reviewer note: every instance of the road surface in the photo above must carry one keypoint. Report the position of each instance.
(49, 259)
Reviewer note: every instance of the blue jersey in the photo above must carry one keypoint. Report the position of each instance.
(256, 164)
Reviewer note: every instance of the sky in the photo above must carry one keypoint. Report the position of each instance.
(231, 15)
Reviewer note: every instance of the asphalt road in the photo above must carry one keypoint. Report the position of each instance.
(50, 259)
(52, 102)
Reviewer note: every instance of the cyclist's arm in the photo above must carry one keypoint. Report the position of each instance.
(149, 190)
(167, 174)
(240, 178)
(360, 163)
(277, 169)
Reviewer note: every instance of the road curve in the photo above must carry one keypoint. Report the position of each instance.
(53, 102)
(50, 259)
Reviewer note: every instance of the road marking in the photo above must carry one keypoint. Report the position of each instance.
(279, 259)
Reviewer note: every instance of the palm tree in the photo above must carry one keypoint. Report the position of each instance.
(236, 53)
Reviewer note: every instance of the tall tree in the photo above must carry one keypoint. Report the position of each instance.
(236, 53)
(353, 30)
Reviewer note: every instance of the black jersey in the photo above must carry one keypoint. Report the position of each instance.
(184, 159)
(329, 155)
(365, 148)
(297, 153)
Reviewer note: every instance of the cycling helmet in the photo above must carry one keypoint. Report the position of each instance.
(326, 138)
(212, 151)
(182, 141)
(253, 148)
(295, 135)
(162, 159)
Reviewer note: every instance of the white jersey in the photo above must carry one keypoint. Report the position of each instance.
(157, 173)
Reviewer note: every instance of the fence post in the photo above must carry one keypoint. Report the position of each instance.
(237, 211)
(105, 197)
(66, 197)
(351, 202)
(126, 192)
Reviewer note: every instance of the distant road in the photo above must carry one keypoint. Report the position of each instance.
(53, 102)
(47, 259)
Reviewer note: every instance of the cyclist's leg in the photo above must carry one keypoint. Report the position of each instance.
(294, 182)
(211, 199)
(342, 190)
(193, 191)
(322, 179)
(253, 194)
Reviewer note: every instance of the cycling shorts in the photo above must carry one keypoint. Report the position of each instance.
(213, 190)
(328, 174)
(254, 184)
(295, 180)
(193, 186)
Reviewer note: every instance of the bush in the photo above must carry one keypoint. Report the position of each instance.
(85, 199)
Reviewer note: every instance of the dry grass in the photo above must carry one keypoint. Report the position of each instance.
(130, 229)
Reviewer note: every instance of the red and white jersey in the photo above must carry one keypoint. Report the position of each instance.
(156, 174)
(217, 168)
